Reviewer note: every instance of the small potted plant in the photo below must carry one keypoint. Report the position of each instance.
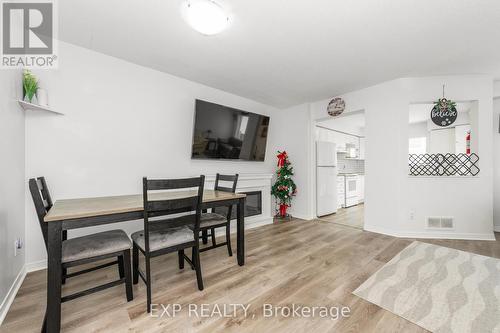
(30, 85)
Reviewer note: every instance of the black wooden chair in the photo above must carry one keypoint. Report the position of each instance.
(219, 217)
(86, 249)
(168, 235)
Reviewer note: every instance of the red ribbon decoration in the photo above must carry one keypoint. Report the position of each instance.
(282, 156)
(283, 208)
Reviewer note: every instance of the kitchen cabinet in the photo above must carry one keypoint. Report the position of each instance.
(442, 141)
(448, 140)
(353, 140)
(340, 191)
(361, 188)
(343, 140)
(339, 138)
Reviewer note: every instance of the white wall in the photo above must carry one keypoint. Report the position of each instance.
(294, 136)
(496, 155)
(496, 89)
(468, 200)
(384, 107)
(123, 122)
(12, 181)
(391, 196)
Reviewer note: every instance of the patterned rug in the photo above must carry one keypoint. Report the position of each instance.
(439, 289)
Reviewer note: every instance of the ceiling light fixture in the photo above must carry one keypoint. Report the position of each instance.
(205, 16)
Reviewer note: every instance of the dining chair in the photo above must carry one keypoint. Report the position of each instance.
(85, 249)
(171, 234)
(220, 216)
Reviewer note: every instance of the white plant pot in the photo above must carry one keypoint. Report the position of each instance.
(42, 97)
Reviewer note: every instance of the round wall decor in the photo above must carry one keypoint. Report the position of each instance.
(336, 107)
(444, 113)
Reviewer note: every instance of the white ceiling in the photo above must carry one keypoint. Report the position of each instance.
(286, 52)
(422, 112)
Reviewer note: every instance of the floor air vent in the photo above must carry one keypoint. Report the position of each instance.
(440, 222)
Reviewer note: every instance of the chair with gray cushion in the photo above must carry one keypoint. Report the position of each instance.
(168, 234)
(220, 216)
(86, 249)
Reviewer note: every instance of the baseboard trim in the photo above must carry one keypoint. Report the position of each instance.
(36, 266)
(11, 294)
(257, 223)
(248, 225)
(431, 235)
(496, 228)
(42, 264)
(302, 216)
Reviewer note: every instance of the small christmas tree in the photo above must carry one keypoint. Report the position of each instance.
(284, 188)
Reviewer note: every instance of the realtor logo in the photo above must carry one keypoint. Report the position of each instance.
(28, 34)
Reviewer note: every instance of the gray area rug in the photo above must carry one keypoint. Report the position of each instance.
(439, 289)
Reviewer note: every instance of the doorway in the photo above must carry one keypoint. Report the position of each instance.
(340, 196)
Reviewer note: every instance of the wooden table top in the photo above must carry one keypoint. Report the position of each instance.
(89, 207)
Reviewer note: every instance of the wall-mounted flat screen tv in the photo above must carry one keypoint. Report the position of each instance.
(221, 132)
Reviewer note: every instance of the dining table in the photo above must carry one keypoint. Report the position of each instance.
(68, 214)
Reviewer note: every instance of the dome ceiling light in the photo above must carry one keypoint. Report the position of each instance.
(205, 16)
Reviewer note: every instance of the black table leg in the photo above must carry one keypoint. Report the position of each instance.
(204, 236)
(240, 231)
(54, 271)
(44, 325)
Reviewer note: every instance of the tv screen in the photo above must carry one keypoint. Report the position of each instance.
(221, 132)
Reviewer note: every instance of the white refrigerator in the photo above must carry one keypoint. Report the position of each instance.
(326, 178)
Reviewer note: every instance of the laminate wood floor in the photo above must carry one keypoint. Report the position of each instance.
(308, 263)
(351, 217)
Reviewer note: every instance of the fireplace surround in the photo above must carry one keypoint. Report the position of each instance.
(253, 205)
(258, 204)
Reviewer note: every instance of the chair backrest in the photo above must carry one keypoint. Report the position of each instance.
(42, 200)
(187, 198)
(226, 178)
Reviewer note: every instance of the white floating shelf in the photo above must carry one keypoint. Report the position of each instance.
(35, 107)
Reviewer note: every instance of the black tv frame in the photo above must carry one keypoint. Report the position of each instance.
(194, 157)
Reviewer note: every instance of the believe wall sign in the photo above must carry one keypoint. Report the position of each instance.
(444, 113)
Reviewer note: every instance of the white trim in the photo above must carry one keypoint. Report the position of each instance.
(258, 223)
(244, 176)
(11, 294)
(255, 223)
(302, 216)
(496, 228)
(431, 235)
(36, 266)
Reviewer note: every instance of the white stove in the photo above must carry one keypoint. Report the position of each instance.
(351, 190)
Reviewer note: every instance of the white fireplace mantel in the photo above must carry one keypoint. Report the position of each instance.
(249, 183)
